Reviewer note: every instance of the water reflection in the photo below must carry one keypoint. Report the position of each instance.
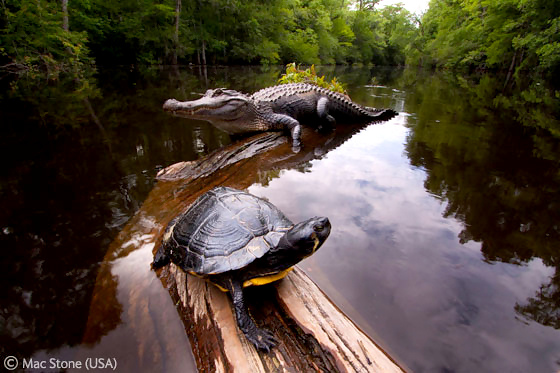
(395, 264)
(408, 266)
(69, 189)
(502, 189)
(445, 220)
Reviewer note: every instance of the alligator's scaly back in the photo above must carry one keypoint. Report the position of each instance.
(280, 107)
(337, 102)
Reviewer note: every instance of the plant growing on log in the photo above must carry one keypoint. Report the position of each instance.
(294, 74)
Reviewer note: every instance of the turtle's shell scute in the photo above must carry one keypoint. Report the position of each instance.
(226, 229)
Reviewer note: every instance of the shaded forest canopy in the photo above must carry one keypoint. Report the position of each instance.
(63, 35)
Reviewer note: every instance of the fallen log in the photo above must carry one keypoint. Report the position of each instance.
(313, 334)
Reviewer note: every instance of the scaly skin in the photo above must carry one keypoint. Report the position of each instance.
(277, 108)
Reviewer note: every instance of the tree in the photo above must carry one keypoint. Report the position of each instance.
(35, 37)
(399, 31)
(369, 44)
(507, 35)
(366, 4)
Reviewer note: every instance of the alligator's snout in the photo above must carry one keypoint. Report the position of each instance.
(170, 105)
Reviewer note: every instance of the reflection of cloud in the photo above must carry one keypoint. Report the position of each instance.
(399, 263)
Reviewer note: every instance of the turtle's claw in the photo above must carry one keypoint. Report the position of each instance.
(262, 339)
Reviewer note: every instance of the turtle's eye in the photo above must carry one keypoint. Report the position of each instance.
(318, 228)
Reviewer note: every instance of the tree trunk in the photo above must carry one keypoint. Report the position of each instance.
(203, 52)
(65, 15)
(176, 35)
(510, 71)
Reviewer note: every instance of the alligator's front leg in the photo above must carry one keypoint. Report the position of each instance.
(286, 121)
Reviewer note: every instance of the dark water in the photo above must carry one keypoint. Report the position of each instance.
(445, 245)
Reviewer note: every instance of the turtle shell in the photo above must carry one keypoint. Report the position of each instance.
(224, 230)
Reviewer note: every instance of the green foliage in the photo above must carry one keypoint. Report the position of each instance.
(33, 39)
(301, 45)
(296, 75)
(399, 32)
(131, 32)
(127, 31)
(507, 35)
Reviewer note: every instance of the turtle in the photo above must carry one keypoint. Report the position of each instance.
(234, 239)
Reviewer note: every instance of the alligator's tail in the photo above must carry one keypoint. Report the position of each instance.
(380, 115)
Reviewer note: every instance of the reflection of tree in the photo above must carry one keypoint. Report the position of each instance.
(544, 308)
(493, 174)
(64, 196)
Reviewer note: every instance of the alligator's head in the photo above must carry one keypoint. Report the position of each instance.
(223, 107)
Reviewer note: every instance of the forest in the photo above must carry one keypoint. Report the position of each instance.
(54, 48)
(54, 36)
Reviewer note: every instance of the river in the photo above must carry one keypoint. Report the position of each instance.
(445, 240)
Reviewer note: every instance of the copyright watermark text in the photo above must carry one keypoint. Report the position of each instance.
(11, 362)
(90, 363)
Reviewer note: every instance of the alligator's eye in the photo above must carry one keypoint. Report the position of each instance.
(217, 92)
(318, 228)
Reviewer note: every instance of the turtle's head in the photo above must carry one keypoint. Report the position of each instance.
(306, 237)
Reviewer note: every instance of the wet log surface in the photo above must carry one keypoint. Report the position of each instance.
(313, 334)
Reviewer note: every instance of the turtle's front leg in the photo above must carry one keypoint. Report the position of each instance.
(261, 338)
(161, 258)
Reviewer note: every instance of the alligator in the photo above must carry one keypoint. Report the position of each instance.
(277, 108)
